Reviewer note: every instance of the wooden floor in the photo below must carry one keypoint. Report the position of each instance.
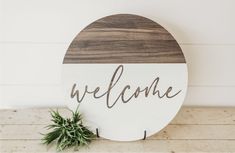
(193, 130)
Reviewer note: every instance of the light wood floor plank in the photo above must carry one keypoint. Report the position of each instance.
(105, 146)
(187, 115)
(194, 129)
(173, 132)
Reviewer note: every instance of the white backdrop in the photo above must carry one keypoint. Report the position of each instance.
(34, 36)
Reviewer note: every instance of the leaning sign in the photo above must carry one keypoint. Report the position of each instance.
(128, 76)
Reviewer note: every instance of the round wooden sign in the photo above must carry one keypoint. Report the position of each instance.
(127, 74)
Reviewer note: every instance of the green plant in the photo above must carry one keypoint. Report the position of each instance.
(67, 132)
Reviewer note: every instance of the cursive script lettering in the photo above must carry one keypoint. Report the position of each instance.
(149, 90)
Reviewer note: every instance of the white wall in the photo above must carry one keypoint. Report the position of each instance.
(34, 36)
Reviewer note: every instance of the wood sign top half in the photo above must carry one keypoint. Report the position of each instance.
(124, 38)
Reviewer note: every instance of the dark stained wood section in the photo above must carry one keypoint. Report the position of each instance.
(124, 38)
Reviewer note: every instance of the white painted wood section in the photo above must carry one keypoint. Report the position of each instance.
(210, 96)
(1, 21)
(31, 95)
(202, 21)
(51, 95)
(210, 65)
(32, 63)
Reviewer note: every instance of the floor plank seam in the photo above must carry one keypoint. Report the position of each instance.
(134, 141)
(169, 124)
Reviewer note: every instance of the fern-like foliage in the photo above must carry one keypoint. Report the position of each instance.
(67, 132)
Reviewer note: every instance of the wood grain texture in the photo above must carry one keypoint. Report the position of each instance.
(105, 146)
(171, 132)
(194, 129)
(186, 116)
(124, 38)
